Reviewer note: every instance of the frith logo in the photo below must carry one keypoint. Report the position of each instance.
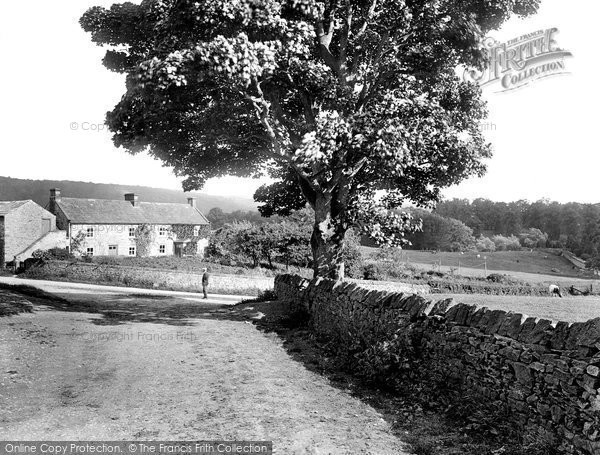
(521, 60)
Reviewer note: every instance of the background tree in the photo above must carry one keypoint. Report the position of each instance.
(294, 248)
(510, 243)
(485, 244)
(533, 238)
(440, 233)
(336, 98)
(216, 217)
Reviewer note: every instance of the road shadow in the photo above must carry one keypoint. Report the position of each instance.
(118, 309)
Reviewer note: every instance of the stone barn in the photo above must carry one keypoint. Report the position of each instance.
(25, 227)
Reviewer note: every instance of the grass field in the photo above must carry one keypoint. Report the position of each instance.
(569, 308)
(534, 266)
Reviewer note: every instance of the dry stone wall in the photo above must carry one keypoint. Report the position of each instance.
(148, 278)
(541, 376)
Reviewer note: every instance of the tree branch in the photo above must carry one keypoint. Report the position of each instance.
(347, 29)
(368, 18)
(363, 96)
(307, 188)
(324, 38)
(262, 108)
(308, 109)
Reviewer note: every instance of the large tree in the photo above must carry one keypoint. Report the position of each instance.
(336, 99)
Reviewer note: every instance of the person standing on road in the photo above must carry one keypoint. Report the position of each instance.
(205, 282)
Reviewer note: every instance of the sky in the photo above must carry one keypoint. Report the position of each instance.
(54, 93)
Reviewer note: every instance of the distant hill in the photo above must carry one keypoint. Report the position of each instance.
(12, 189)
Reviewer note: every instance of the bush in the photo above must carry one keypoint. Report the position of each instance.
(371, 272)
(504, 279)
(61, 254)
(435, 273)
(485, 244)
(533, 238)
(377, 271)
(506, 243)
(495, 278)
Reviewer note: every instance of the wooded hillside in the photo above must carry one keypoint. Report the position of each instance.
(573, 225)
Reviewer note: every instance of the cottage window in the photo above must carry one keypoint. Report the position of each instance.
(162, 230)
(196, 231)
(131, 251)
(90, 251)
(89, 232)
(162, 249)
(131, 232)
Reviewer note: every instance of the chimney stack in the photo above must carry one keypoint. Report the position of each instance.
(192, 201)
(133, 198)
(55, 194)
(54, 198)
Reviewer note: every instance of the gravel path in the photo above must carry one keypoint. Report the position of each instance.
(165, 368)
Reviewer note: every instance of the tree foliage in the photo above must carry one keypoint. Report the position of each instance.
(441, 233)
(336, 99)
(510, 243)
(485, 244)
(533, 238)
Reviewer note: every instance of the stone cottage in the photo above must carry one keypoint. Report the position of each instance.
(25, 227)
(101, 227)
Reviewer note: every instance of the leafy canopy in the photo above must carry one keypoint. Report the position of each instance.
(336, 99)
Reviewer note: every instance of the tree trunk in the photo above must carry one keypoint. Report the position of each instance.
(327, 241)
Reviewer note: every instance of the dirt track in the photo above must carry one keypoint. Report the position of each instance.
(163, 368)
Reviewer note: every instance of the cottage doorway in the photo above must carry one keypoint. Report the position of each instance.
(178, 249)
(113, 250)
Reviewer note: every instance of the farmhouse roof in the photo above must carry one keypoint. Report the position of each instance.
(104, 211)
(9, 206)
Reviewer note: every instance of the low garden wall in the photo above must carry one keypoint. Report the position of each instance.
(539, 377)
(148, 278)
